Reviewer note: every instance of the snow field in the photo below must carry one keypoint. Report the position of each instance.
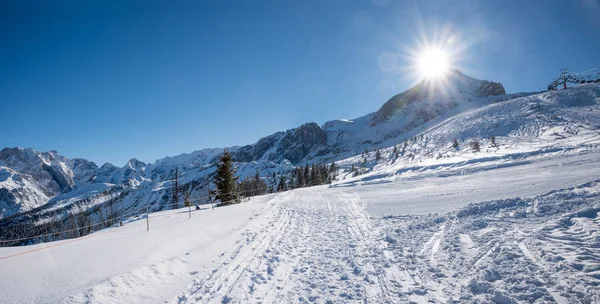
(526, 231)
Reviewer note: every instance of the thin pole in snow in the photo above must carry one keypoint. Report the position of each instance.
(190, 209)
(147, 220)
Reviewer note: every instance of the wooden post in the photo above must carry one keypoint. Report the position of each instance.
(190, 209)
(147, 220)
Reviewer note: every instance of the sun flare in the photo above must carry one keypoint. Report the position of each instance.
(432, 63)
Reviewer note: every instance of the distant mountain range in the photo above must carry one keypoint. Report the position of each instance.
(37, 187)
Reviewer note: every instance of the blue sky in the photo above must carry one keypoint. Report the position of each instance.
(113, 80)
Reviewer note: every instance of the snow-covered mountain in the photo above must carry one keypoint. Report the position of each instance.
(29, 178)
(36, 187)
(398, 119)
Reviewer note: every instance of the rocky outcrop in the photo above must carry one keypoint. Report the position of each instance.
(44, 167)
(400, 101)
(294, 145)
(490, 88)
(454, 86)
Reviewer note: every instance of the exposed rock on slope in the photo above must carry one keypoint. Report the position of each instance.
(454, 87)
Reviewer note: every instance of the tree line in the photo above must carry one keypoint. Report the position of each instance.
(230, 191)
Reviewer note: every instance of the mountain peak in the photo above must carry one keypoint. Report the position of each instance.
(455, 86)
(135, 162)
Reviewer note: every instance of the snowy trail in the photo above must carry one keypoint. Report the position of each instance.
(321, 248)
(324, 247)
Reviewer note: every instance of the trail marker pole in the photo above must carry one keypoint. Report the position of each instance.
(147, 220)
(190, 209)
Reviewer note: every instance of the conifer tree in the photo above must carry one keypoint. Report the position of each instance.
(226, 181)
(377, 155)
(252, 186)
(315, 175)
(281, 186)
(325, 178)
(176, 189)
(273, 182)
(300, 176)
(186, 198)
(333, 171)
(306, 181)
(475, 146)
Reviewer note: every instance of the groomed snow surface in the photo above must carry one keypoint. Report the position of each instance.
(524, 233)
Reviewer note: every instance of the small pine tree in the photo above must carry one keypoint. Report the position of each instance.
(176, 189)
(186, 198)
(273, 182)
(281, 185)
(315, 175)
(395, 151)
(333, 171)
(226, 181)
(306, 175)
(377, 155)
(455, 144)
(475, 146)
(493, 141)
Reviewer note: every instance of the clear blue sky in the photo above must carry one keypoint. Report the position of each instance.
(112, 80)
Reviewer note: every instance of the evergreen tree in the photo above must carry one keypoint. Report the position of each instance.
(377, 155)
(252, 186)
(226, 181)
(300, 174)
(355, 171)
(333, 171)
(306, 181)
(475, 146)
(493, 141)
(176, 189)
(325, 178)
(395, 151)
(315, 175)
(186, 198)
(455, 144)
(281, 186)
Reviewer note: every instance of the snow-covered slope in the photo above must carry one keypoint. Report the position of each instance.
(403, 116)
(523, 234)
(537, 125)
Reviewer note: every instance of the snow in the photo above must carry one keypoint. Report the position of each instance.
(521, 233)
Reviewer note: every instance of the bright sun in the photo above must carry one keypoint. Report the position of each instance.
(432, 63)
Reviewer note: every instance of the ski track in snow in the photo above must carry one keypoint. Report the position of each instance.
(323, 247)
